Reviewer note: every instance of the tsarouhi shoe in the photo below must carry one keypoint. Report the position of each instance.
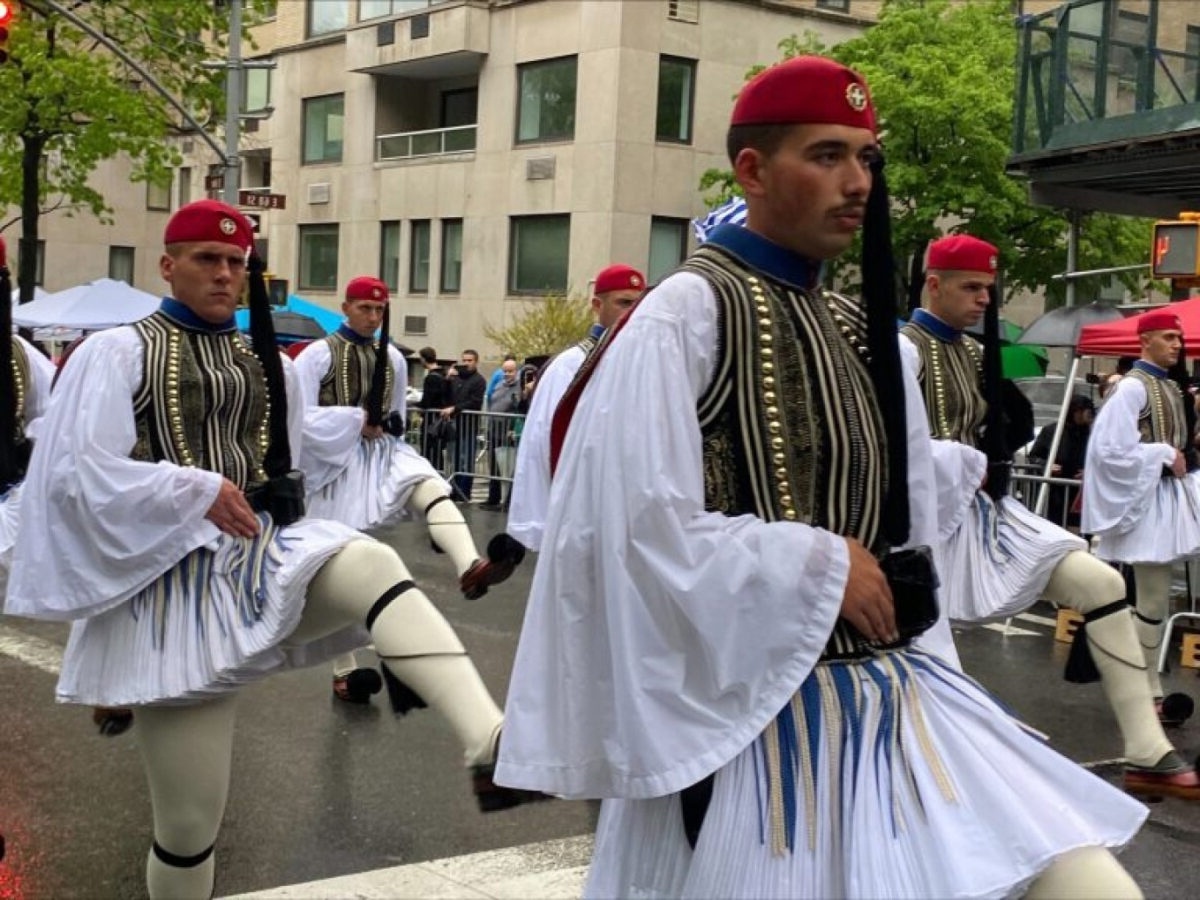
(493, 797)
(112, 721)
(1169, 777)
(504, 554)
(357, 686)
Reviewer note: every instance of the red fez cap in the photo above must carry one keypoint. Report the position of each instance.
(367, 287)
(805, 90)
(963, 253)
(1159, 320)
(209, 220)
(619, 278)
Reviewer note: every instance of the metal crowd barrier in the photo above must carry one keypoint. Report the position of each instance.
(1026, 482)
(474, 449)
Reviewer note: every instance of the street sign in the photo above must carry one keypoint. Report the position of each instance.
(261, 201)
(214, 182)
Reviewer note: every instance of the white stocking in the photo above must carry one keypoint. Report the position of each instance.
(447, 528)
(1089, 873)
(1153, 600)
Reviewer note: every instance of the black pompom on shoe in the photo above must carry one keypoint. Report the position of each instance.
(357, 686)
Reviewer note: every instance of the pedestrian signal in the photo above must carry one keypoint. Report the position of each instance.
(7, 8)
(1175, 252)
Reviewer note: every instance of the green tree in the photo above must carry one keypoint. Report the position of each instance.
(942, 77)
(67, 103)
(543, 327)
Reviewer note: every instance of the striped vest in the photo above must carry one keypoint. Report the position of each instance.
(950, 378)
(1161, 419)
(202, 401)
(347, 382)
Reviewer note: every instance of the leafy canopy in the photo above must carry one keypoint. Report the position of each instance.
(543, 327)
(942, 76)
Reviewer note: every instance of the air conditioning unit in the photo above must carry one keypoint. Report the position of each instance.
(683, 11)
(539, 168)
(318, 193)
(415, 325)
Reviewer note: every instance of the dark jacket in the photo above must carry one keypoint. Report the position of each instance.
(469, 391)
(435, 393)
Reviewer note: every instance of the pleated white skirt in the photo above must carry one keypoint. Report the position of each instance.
(10, 505)
(906, 779)
(374, 487)
(217, 620)
(998, 562)
(1169, 530)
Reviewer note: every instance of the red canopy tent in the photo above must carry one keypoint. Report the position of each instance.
(1120, 338)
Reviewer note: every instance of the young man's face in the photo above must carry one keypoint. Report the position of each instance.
(1162, 347)
(959, 298)
(363, 316)
(467, 363)
(206, 277)
(811, 193)
(611, 305)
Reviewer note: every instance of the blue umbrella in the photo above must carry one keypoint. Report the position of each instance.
(314, 321)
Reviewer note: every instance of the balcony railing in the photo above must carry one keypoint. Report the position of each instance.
(433, 142)
(1090, 62)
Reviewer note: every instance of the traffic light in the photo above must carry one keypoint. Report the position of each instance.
(1176, 249)
(7, 10)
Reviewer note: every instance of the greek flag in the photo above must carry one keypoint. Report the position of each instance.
(731, 213)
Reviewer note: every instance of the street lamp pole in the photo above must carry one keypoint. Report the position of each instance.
(233, 104)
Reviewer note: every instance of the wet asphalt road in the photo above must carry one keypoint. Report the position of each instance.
(322, 789)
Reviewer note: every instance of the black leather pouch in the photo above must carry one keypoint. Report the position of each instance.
(281, 496)
(913, 579)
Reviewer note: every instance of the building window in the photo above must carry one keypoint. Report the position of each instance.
(256, 90)
(158, 194)
(325, 16)
(546, 100)
(183, 190)
(668, 246)
(120, 264)
(39, 268)
(452, 236)
(323, 129)
(389, 255)
(676, 88)
(373, 9)
(318, 258)
(418, 257)
(1191, 64)
(834, 5)
(538, 254)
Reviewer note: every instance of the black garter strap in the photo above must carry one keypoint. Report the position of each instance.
(388, 596)
(435, 502)
(1146, 620)
(181, 862)
(1107, 610)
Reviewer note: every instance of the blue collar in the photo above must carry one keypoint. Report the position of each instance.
(776, 262)
(181, 315)
(1151, 369)
(935, 326)
(353, 336)
(596, 331)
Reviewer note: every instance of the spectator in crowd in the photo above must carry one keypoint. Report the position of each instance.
(468, 394)
(435, 394)
(506, 400)
(1068, 461)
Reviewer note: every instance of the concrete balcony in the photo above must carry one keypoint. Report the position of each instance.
(432, 142)
(448, 39)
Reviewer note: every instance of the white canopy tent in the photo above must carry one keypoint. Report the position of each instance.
(103, 303)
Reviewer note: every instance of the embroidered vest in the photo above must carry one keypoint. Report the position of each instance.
(202, 401)
(20, 376)
(348, 379)
(950, 378)
(1161, 419)
(790, 427)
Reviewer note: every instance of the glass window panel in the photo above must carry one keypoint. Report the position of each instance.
(373, 9)
(257, 90)
(418, 264)
(538, 254)
(184, 181)
(676, 78)
(120, 264)
(389, 255)
(323, 120)
(158, 194)
(546, 104)
(668, 247)
(318, 258)
(452, 237)
(325, 16)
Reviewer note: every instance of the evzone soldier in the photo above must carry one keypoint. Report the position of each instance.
(360, 470)
(1141, 495)
(995, 557)
(717, 640)
(162, 517)
(617, 288)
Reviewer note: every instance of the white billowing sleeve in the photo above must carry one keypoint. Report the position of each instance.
(531, 480)
(659, 639)
(331, 433)
(958, 469)
(1120, 474)
(97, 526)
(37, 392)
